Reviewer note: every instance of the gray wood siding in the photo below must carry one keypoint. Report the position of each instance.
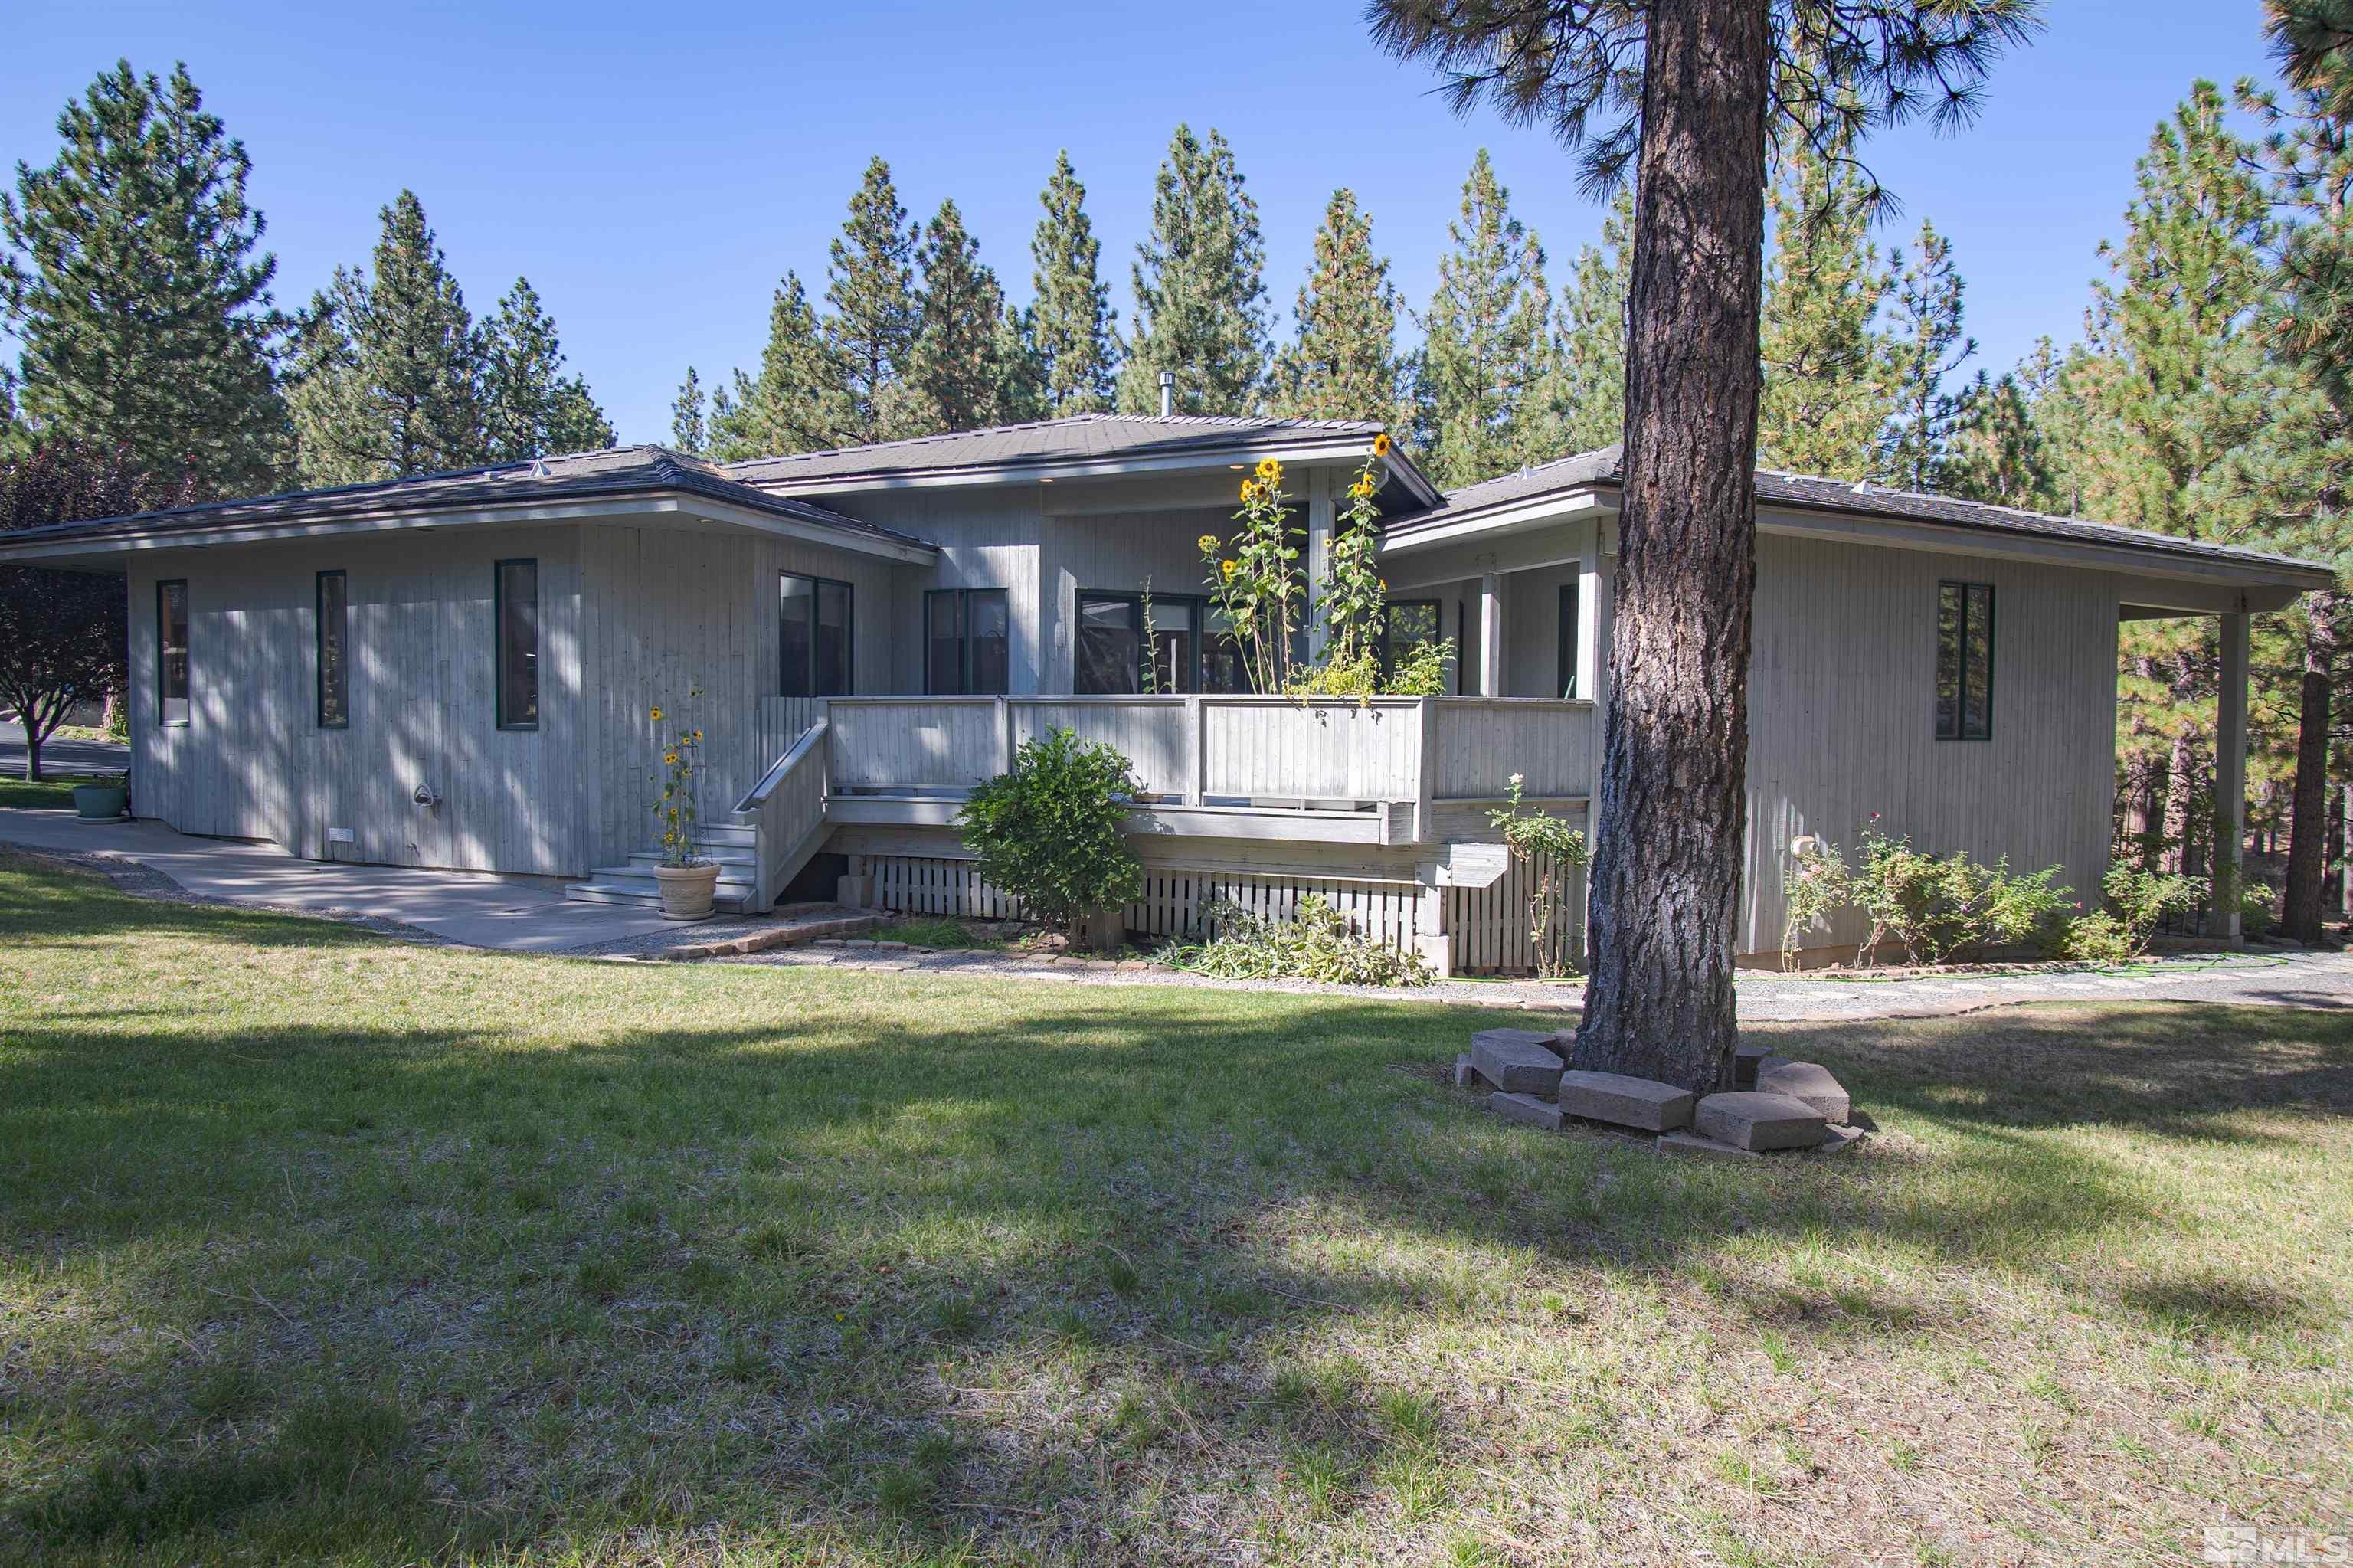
(666, 609)
(1117, 552)
(253, 762)
(988, 538)
(1842, 717)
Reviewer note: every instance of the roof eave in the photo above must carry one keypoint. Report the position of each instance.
(1310, 446)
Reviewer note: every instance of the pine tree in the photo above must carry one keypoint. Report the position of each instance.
(964, 368)
(529, 408)
(1069, 322)
(135, 285)
(686, 427)
(389, 378)
(1486, 342)
(1200, 297)
(798, 403)
(875, 312)
(1925, 345)
(1020, 372)
(1343, 363)
(1827, 394)
(1995, 450)
(1588, 389)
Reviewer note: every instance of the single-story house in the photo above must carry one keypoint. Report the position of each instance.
(456, 670)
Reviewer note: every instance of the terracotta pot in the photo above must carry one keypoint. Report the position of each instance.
(686, 891)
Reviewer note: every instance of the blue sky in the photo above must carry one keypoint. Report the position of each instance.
(654, 172)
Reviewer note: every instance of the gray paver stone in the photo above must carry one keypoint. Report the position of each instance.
(1525, 1108)
(1625, 1101)
(1516, 1061)
(1808, 1081)
(1746, 1118)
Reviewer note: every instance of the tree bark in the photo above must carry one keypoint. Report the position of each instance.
(2307, 841)
(1667, 828)
(2181, 783)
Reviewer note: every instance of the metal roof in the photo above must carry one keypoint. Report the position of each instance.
(613, 473)
(1078, 440)
(1811, 493)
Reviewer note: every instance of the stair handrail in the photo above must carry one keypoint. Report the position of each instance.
(759, 792)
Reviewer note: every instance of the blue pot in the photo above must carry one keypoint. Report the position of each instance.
(99, 802)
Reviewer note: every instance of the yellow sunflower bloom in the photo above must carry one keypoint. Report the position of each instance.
(670, 760)
(1249, 490)
(1268, 470)
(1381, 444)
(655, 715)
(1227, 567)
(1209, 544)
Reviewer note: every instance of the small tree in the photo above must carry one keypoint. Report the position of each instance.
(1050, 832)
(1547, 848)
(64, 636)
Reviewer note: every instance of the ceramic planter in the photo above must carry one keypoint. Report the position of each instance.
(686, 890)
(99, 802)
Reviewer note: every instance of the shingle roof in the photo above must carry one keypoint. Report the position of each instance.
(614, 472)
(1811, 493)
(1080, 438)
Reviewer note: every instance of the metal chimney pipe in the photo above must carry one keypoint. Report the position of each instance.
(1167, 393)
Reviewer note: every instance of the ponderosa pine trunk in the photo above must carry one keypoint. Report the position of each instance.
(1668, 828)
(2307, 841)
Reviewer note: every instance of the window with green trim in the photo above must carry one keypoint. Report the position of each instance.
(334, 630)
(1965, 662)
(813, 637)
(172, 650)
(967, 642)
(518, 634)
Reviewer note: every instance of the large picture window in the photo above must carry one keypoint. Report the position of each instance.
(172, 652)
(813, 637)
(1115, 655)
(334, 616)
(967, 642)
(1406, 624)
(1965, 662)
(518, 633)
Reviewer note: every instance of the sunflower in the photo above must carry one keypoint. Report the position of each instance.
(1207, 543)
(1249, 490)
(1227, 567)
(654, 713)
(1381, 444)
(670, 760)
(1268, 470)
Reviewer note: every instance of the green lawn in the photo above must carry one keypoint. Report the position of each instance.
(314, 1245)
(48, 795)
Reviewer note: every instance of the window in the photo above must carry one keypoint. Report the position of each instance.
(967, 642)
(1114, 658)
(1964, 662)
(1405, 625)
(813, 633)
(172, 652)
(1224, 671)
(1565, 679)
(517, 602)
(334, 641)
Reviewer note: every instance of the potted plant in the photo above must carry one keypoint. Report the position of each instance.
(687, 880)
(102, 799)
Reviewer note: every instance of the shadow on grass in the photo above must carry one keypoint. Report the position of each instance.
(798, 1195)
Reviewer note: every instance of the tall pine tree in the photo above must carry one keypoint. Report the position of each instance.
(1587, 391)
(1200, 293)
(799, 402)
(1486, 342)
(134, 282)
(1069, 322)
(389, 380)
(1827, 396)
(529, 408)
(875, 312)
(1925, 345)
(1343, 364)
(1994, 450)
(966, 367)
(688, 433)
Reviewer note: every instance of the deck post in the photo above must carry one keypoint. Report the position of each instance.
(2231, 774)
(1425, 784)
(1491, 635)
(1319, 556)
(1429, 935)
(1005, 747)
(1197, 725)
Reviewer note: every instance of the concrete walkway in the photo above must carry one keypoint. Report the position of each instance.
(516, 914)
(523, 914)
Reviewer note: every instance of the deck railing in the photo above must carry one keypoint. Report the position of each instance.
(1216, 750)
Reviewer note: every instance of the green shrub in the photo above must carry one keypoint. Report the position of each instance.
(2258, 910)
(2139, 900)
(1050, 832)
(1317, 943)
(1816, 883)
(2099, 937)
(1547, 848)
(1946, 907)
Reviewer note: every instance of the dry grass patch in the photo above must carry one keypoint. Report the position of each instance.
(320, 1246)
